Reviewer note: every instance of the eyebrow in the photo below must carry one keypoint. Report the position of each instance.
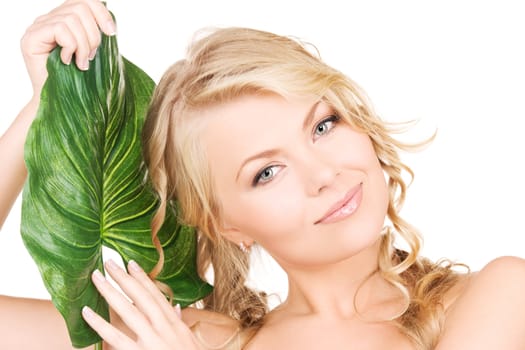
(310, 116)
(271, 152)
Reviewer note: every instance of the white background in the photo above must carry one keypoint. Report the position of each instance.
(459, 66)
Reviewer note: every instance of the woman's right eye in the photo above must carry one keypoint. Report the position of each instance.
(265, 175)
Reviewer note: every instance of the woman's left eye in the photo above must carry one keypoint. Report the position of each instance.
(325, 125)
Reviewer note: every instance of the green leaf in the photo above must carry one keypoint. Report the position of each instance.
(86, 187)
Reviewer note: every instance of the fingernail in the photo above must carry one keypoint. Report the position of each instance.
(87, 312)
(132, 265)
(111, 264)
(83, 65)
(111, 28)
(92, 54)
(178, 311)
(99, 276)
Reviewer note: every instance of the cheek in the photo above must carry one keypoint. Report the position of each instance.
(376, 180)
(267, 216)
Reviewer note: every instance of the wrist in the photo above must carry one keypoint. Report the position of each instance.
(30, 109)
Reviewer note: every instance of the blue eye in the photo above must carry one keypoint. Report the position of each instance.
(325, 125)
(265, 175)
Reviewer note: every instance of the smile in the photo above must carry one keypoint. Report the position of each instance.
(345, 207)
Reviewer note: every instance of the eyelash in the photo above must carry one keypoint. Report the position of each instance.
(258, 178)
(333, 119)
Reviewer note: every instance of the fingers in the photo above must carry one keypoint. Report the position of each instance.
(136, 291)
(155, 323)
(110, 334)
(75, 26)
(131, 316)
(87, 10)
(66, 31)
(83, 20)
(138, 273)
(97, 11)
(146, 297)
(149, 304)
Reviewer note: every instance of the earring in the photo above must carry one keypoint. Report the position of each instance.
(243, 247)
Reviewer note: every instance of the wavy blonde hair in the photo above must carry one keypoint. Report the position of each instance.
(223, 64)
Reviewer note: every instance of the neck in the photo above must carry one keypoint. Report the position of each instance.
(333, 290)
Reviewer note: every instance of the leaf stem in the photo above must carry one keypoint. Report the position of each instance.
(98, 346)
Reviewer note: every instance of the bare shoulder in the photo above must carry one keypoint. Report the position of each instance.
(486, 310)
(212, 328)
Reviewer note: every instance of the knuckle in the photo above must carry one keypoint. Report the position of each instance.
(80, 7)
(40, 19)
(60, 27)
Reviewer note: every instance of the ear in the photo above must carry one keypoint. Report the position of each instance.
(236, 236)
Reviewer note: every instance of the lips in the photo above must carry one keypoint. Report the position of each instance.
(344, 207)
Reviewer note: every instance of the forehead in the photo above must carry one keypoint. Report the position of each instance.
(248, 112)
(263, 113)
(252, 123)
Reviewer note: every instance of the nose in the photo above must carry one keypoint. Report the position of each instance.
(319, 172)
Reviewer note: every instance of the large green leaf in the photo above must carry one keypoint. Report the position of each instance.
(86, 187)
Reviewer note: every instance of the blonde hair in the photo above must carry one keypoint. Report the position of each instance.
(227, 63)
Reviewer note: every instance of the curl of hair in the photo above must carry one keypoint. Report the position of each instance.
(226, 63)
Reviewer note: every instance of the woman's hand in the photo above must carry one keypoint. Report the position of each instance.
(75, 26)
(154, 322)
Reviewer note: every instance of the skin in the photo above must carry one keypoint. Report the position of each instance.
(313, 165)
(308, 172)
(309, 161)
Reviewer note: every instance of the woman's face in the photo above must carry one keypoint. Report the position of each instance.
(293, 177)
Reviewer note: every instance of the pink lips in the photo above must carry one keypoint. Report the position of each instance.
(345, 207)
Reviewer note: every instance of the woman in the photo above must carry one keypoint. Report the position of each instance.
(315, 191)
